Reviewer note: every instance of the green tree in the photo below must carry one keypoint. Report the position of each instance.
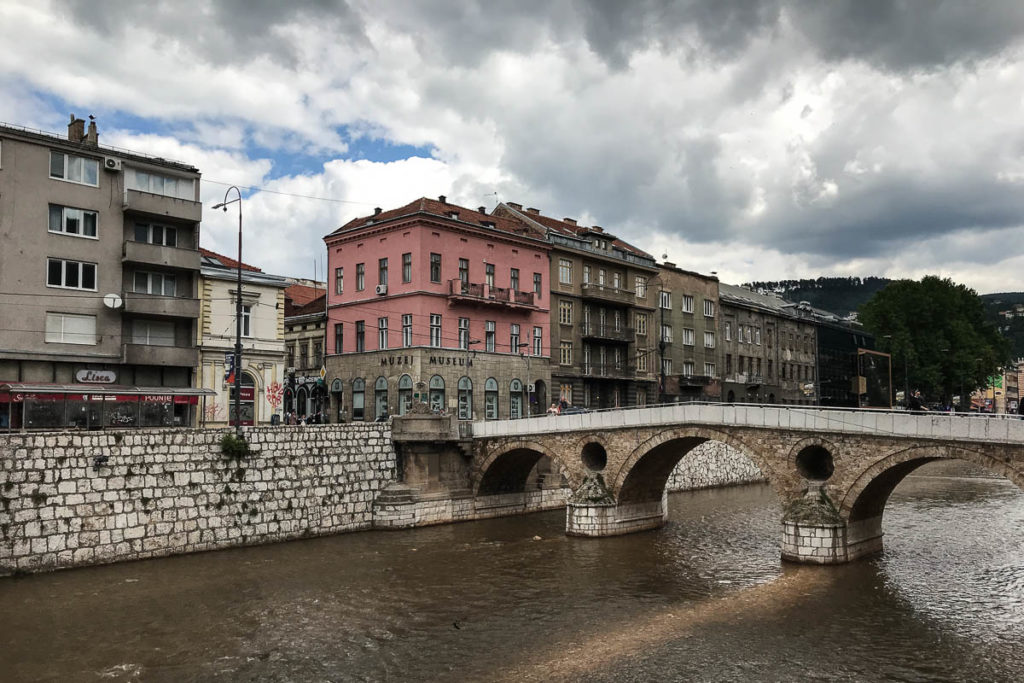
(937, 334)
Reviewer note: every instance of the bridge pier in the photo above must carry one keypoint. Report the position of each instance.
(600, 519)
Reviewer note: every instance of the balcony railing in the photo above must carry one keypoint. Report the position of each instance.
(159, 205)
(160, 306)
(608, 332)
(158, 255)
(606, 370)
(694, 380)
(148, 354)
(480, 293)
(592, 290)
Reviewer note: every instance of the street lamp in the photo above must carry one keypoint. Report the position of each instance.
(238, 310)
(529, 394)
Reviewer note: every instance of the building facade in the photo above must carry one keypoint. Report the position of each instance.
(305, 333)
(98, 286)
(262, 334)
(688, 339)
(602, 323)
(440, 304)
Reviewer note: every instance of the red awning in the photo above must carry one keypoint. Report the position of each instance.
(19, 392)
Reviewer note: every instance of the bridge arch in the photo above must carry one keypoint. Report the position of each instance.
(644, 473)
(866, 498)
(507, 468)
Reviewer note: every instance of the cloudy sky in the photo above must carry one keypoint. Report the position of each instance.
(761, 140)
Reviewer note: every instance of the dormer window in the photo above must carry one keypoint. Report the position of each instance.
(452, 214)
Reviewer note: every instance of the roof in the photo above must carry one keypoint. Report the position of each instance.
(224, 261)
(568, 227)
(442, 208)
(741, 295)
(303, 300)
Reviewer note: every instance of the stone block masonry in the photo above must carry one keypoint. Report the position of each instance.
(713, 464)
(75, 499)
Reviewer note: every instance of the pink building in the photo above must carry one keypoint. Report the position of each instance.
(437, 303)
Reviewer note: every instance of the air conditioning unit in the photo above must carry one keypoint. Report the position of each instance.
(112, 164)
(530, 388)
(382, 289)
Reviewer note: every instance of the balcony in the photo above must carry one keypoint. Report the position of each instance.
(157, 255)
(607, 293)
(608, 332)
(146, 354)
(694, 380)
(164, 207)
(608, 370)
(482, 294)
(160, 306)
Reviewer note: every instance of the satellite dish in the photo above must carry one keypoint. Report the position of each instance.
(113, 301)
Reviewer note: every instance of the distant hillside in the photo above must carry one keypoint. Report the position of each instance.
(1011, 328)
(840, 295)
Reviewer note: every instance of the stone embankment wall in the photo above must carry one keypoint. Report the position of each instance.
(713, 464)
(70, 499)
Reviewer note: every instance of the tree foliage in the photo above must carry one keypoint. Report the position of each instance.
(938, 335)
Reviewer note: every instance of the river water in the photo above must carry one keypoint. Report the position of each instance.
(705, 598)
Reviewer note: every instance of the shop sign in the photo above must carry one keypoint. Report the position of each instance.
(96, 376)
(312, 379)
(450, 360)
(395, 360)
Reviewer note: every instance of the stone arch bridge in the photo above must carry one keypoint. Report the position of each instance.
(833, 469)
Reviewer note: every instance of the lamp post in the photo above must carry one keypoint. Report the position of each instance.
(521, 345)
(238, 309)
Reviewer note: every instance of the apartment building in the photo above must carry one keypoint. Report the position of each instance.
(98, 283)
(262, 334)
(689, 346)
(602, 324)
(436, 303)
(305, 333)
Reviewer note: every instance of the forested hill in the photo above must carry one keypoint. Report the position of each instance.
(1011, 327)
(840, 295)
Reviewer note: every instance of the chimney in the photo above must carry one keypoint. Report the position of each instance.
(92, 138)
(376, 211)
(597, 228)
(481, 209)
(442, 199)
(517, 207)
(76, 129)
(535, 212)
(570, 221)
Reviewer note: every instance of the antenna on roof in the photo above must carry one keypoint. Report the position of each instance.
(497, 199)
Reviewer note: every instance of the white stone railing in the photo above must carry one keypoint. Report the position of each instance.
(950, 426)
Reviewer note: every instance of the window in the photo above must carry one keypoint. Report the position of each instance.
(515, 399)
(709, 369)
(436, 396)
(382, 271)
(339, 338)
(565, 312)
(665, 299)
(709, 308)
(68, 328)
(537, 283)
(491, 399)
(728, 331)
(358, 397)
(586, 274)
(155, 283)
(601, 276)
(709, 340)
(380, 397)
(339, 280)
(641, 323)
(617, 280)
(70, 274)
(769, 369)
(489, 335)
(688, 368)
(404, 394)
(565, 353)
(155, 183)
(564, 271)
(641, 288)
(666, 366)
(406, 271)
(538, 341)
(290, 352)
(74, 169)
(463, 333)
(360, 277)
(465, 398)
(304, 354)
(464, 270)
(435, 330)
(513, 337)
(246, 320)
(666, 334)
(70, 221)
(618, 321)
(435, 267)
(688, 337)
(153, 332)
(641, 397)
(641, 361)
(382, 333)
(360, 336)
(407, 330)
(757, 336)
(728, 365)
(513, 279)
(489, 274)
(154, 233)
(687, 303)
(318, 353)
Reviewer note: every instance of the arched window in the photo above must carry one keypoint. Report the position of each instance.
(465, 398)
(380, 397)
(491, 399)
(515, 399)
(404, 394)
(338, 397)
(358, 398)
(301, 401)
(437, 403)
